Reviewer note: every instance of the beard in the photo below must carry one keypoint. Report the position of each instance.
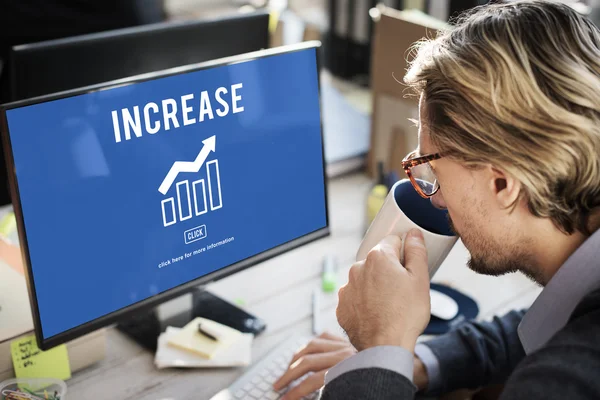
(485, 260)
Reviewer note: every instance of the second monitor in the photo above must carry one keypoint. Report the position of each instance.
(64, 64)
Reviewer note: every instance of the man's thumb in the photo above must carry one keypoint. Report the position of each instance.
(415, 253)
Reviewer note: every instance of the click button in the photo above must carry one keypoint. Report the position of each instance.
(194, 234)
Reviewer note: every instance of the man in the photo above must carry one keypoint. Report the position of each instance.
(509, 138)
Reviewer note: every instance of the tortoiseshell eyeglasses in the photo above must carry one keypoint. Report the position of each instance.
(421, 174)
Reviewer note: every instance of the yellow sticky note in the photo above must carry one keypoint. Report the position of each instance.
(8, 224)
(31, 362)
(188, 338)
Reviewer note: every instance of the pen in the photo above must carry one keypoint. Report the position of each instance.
(206, 332)
(316, 307)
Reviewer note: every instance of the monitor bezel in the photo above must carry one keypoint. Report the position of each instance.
(153, 301)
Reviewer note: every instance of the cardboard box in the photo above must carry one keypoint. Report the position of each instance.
(276, 31)
(394, 34)
(311, 32)
(289, 27)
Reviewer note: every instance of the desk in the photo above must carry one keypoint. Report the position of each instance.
(282, 296)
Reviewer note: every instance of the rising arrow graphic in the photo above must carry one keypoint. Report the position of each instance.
(188, 166)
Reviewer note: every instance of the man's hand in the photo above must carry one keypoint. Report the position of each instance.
(385, 303)
(317, 357)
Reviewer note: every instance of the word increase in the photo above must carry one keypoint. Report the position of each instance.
(152, 117)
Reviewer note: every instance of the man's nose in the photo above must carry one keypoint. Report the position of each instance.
(438, 200)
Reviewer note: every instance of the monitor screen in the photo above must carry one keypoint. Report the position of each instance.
(133, 191)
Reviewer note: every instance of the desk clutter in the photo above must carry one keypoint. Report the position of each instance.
(39, 374)
(33, 389)
(203, 343)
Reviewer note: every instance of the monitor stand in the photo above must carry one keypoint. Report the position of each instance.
(146, 326)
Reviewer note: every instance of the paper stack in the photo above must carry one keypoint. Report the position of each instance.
(187, 347)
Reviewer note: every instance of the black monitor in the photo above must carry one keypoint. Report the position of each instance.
(62, 64)
(130, 193)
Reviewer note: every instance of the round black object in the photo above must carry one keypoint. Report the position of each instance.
(467, 310)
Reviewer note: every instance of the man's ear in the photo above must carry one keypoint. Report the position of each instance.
(505, 187)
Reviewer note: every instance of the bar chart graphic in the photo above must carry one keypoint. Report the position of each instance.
(192, 197)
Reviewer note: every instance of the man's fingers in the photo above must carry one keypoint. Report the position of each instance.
(306, 364)
(415, 253)
(306, 387)
(331, 336)
(319, 345)
(390, 244)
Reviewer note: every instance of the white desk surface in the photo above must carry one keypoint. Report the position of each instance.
(279, 291)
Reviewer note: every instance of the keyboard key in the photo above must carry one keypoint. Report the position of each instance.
(256, 380)
(264, 386)
(239, 394)
(257, 394)
(272, 396)
(277, 367)
(270, 379)
(264, 373)
(248, 387)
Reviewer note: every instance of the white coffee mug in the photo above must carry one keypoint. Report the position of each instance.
(403, 210)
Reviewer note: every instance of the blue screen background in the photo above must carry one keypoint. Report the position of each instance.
(92, 209)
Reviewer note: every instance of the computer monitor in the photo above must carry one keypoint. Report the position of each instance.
(131, 193)
(57, 65)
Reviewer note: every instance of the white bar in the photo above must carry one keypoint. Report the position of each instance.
(194, 184)
(162, 204)
(187, 191)
(216, 164)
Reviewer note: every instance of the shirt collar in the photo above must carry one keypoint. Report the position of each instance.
(577, 277)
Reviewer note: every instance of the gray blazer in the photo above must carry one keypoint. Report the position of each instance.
(566, 367)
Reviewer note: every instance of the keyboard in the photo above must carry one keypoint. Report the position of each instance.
(257, 382)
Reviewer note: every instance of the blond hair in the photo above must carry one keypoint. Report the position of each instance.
(517, 85)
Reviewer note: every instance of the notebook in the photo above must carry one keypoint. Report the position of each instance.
(189, 339)
(237, 354)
